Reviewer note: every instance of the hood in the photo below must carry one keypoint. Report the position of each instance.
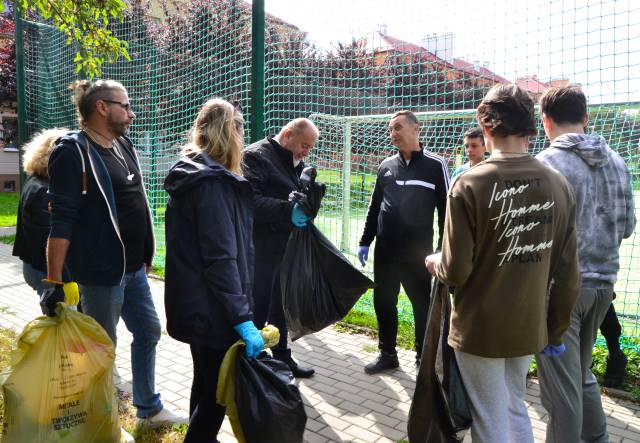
(591, 148)
(188, 171)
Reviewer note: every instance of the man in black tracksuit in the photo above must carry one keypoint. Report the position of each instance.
(273, 167)
(410, 186)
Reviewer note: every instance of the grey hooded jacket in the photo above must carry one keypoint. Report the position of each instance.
(604, 200)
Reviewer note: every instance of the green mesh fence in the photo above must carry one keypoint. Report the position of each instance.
(348, 66)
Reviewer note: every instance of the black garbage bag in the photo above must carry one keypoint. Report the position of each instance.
(439, 411)
(312, 192)
(319, 285)
(270, 407)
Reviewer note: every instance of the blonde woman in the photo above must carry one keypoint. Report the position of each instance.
(33, 224)
(209, 262)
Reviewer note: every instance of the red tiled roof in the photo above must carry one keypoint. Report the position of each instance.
(411, 48)
(480, 71)
(531, 84)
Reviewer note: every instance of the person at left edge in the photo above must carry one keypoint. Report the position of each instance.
(32, 227)
(101, 229)
(209, 271)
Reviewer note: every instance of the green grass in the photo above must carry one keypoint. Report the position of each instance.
(8, 208)
(365, 321)
(158, 270)
(8, 239)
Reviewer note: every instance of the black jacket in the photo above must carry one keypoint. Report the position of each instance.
(269, 168)
(32, 229)
(209, 261)
(402, 205)
(83, 210)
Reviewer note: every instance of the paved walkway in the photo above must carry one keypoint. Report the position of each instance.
(343, 403)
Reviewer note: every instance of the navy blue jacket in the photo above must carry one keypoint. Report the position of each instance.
(209, 268)
(83, 210)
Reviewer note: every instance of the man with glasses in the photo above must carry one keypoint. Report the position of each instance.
(101, 227)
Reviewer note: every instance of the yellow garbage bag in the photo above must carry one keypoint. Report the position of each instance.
(225, 392)
(59, 387)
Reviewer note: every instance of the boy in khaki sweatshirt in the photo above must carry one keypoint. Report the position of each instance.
(509, 250)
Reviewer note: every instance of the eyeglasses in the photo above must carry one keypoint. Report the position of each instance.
(125, 106)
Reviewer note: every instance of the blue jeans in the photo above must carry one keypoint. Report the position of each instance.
(133, 301)
(33, 277)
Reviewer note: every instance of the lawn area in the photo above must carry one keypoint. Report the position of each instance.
(8, 239)
(8, 208)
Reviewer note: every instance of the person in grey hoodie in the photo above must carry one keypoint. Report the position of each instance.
(604, 216)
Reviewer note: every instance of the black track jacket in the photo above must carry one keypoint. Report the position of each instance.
(402, 205)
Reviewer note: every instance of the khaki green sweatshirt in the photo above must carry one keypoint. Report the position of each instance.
(509, 250)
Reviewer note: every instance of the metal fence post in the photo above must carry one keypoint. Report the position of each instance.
(22, 111)
(257, 70)
(346, 187)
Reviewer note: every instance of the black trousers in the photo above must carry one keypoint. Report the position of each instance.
(267, 299)
(205, 415)
(416, 281)
(611, 330)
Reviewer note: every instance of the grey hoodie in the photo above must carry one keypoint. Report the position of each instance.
(604, 198)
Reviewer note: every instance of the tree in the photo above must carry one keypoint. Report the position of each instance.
(85, 23)
(7, 59)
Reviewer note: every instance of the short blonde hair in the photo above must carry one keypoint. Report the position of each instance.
(216, 131)
(37, 151)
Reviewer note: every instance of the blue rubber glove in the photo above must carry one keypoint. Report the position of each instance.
(253, 341)
(553, 351)
(363, 254)
(298, 216)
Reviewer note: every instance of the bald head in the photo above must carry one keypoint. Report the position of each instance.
(298, 136)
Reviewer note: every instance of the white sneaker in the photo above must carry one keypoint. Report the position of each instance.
(116, 376)
(163, 418)
(125, 437)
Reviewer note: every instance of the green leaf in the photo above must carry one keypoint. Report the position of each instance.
(86, 23)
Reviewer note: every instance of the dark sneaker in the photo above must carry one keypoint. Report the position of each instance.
(297, 370)
(614, 375)
(383, 362)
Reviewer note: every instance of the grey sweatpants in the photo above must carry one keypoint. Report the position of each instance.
(569, 391)
(495, 389)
